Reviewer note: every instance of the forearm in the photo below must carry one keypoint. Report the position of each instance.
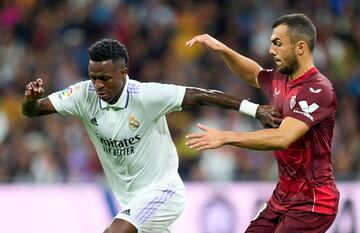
(268, 139)
(198, 97)
(30, 108)
(242, 66)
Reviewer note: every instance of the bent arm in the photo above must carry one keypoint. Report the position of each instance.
(197, 97)
(289, 131)
(268, 115)
(37, 107)
(242, 66)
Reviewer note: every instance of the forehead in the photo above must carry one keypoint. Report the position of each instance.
(101, 66)
(280, 32)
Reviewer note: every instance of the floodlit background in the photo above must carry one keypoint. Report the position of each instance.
(50, 159)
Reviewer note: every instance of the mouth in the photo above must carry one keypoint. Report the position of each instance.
(102, 95)
(277, 61)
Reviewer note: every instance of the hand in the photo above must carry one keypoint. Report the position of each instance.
(34, 90)
(211, 139)
(207, 40)
(269, 116)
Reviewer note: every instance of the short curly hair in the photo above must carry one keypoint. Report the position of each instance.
(108, 49)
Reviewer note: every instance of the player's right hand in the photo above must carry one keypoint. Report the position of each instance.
(34, 90)
(207, 40)
(269, 116)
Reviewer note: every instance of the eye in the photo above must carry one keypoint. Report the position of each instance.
(277, 43)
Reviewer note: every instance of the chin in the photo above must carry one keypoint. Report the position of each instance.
(286, 70)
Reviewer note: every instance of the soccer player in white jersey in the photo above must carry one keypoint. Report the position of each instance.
(125, 120)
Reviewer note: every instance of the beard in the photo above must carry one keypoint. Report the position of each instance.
(290, 65)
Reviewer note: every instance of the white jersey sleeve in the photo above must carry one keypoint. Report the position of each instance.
(160, 99)
(68, 101)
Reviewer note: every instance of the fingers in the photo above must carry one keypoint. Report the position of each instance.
(275, 113)
(196, 39)
(34, 90)
(194, 136)
(191, 42)
(203, 127)
(275, 122)
(278, 121)
(197, 144)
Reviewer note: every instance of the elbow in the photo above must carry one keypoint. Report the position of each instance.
(283, 143)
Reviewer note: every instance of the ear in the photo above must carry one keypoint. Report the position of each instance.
(300, 47)
(124, 71)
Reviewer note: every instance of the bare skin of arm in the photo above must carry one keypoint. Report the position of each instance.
(289, 131)
(33, 105)
(243, 67)
(268, 115)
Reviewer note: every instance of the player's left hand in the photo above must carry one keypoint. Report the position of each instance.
(210, 139)
(269, 116)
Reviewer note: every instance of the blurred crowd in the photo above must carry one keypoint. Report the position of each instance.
(49, 39)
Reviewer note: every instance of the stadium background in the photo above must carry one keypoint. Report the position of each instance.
(49, 39)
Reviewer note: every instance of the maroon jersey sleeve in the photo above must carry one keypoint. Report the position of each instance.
(314, 103)
(265, 81)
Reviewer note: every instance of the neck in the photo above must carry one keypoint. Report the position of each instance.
(304, 66)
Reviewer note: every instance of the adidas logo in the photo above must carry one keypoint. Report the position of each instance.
(127, 212)
(93, 121)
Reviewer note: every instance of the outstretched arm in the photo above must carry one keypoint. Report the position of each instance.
(268, 115)
(32, 104)
(289, 131)
(243, 67)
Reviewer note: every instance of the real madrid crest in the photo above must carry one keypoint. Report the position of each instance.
(292, 101)
(133, 123)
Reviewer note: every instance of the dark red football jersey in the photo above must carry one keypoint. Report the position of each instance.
(306, 181)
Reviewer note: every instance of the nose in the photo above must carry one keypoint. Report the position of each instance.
(98, 84)
(271, 51)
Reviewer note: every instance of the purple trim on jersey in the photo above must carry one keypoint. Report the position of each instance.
(91, 88)
(134, 88)
(153, 205)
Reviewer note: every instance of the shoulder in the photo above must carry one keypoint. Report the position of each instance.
(82, 91)
(134, 86)
(318, 90)
(318, 85)
(272, 73)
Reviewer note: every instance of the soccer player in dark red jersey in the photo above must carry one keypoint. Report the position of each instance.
(305, 198)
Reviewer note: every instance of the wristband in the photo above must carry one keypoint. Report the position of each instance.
(248, 108)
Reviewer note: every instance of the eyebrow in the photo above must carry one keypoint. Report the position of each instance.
(274, 40)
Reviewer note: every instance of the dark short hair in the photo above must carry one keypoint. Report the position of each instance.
(300, 27)
(108, 49)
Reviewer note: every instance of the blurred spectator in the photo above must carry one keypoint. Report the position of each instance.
(50, 38)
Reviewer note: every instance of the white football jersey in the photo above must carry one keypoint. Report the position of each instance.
(131, 137)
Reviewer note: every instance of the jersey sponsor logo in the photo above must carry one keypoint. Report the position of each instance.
(276, 92)
(133, 123)
(306, 109)
(314, 91)
(292, 101)
(117, 147)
